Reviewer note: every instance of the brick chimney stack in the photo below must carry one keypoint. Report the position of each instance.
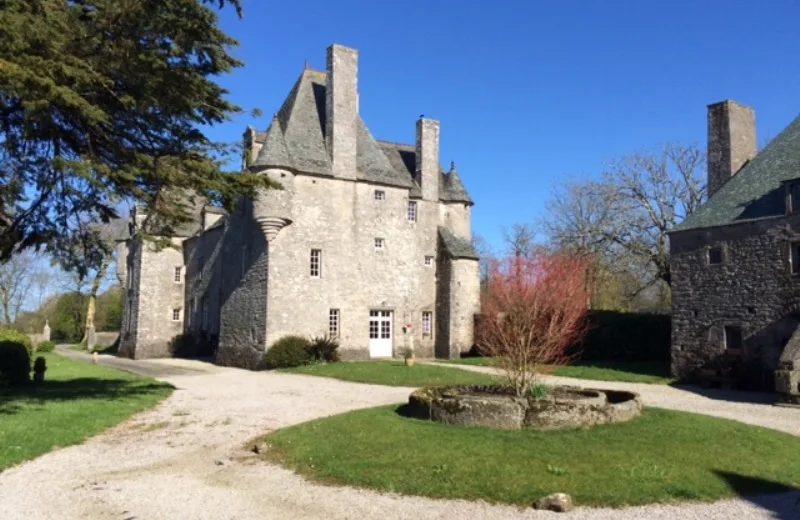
(731, 141)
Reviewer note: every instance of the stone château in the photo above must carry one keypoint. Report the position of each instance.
(368, 241)
(735, 261)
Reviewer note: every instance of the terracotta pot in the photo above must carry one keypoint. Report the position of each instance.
(410, 362)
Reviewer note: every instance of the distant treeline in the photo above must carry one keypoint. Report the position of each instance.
(67, 315)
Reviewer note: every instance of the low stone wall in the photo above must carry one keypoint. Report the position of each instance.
(497, 407)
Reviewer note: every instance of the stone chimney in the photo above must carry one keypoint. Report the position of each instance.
(428, 158)
(341, 110)
(731, 141)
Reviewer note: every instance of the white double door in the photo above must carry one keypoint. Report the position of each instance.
(380, 334)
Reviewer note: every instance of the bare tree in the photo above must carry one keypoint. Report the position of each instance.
(624, 217)
(520, 240)
(16, 279)
(485, 255)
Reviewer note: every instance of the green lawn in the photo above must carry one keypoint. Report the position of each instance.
(623, 371)
(394, 373)
(76, 401)
(661, 456)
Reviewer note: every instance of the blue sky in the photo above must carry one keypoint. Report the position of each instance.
(527, 92)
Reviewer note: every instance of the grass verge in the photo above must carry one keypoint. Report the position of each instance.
(77, 400)
(663, 456)
(622, 371)
(394, 373)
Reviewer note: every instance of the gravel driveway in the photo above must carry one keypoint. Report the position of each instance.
(183, 460)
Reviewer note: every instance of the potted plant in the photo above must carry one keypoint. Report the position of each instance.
(408, 355)
(39, 368)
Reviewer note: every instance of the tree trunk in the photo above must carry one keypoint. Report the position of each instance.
(91, 306)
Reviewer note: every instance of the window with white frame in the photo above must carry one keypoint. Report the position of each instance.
(380, 195)
(316, 263)
(380, 244)
(428, 261)
(176, 315)
(333, 323)
(177, 276)
(427, 323)
(411, 214)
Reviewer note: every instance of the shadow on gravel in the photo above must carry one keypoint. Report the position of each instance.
(779, 499)
(85, 388)
(734, 396)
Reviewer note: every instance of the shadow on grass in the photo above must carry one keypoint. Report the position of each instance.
(85, 388)
(777, 498)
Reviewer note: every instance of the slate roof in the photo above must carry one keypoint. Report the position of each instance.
(756, 192)
(296, 140)
(456, 246)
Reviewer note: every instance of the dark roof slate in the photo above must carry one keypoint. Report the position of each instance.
(456, 246)
(298, 141)
(756, 191)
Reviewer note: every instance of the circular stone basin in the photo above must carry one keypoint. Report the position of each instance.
(497, 407)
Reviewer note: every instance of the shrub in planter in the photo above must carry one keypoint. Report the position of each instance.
(15, 362)
(16, 337)
(39, 368)
(324, 349)
(287, 352)
(45, 346)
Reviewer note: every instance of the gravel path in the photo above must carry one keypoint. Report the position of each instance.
(184, 459)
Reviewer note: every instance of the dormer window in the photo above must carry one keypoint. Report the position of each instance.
(793, 200)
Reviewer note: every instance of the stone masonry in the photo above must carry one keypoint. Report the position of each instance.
(735, 283)
(362, 228)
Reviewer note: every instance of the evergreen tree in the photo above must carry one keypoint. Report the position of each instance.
(103, 101)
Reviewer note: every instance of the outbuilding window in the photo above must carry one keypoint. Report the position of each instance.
(733, 337)
(715, 255)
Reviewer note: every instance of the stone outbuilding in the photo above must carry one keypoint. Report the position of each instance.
(735, 262)
(368, 241)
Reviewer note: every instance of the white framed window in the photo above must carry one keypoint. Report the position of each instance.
(380, 244)
(316, 263)
(411, 213)
(427, 323)
(176, 315)
(428, 261)
(380, 195)
(333, 323)
(178, 274)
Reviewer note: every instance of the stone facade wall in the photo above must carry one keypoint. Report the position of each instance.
(457, 216)
(752, 288)
(203, 257)
(343, 219)
(243, 283)
(147, 323)
(464, 303)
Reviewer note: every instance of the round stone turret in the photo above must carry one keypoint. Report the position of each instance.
(272, 208)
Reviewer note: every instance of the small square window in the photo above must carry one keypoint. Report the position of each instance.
(380, 195)
(333, 323)
(380, 244)
(176, 315)
(428, 261)
(316, 263)
(794, 257)
(178, 272)
(715, 255)
(733, 337)
(412, 211)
